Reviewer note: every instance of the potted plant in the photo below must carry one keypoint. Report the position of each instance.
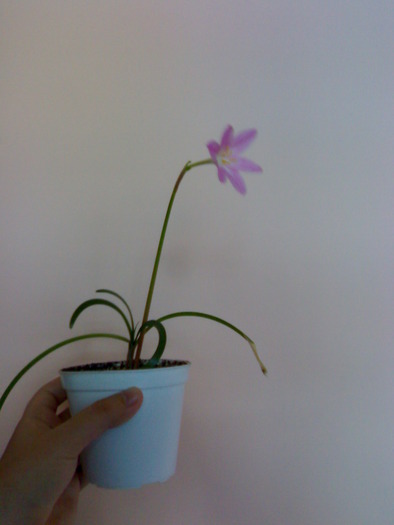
(144, 450)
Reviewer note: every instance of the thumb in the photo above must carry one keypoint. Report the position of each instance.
(102, 415)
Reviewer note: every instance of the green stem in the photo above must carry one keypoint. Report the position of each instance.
(188, 166)
(49, 351)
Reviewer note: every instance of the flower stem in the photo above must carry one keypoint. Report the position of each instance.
(188, 166)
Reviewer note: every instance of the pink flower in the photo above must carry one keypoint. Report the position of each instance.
(226, 156)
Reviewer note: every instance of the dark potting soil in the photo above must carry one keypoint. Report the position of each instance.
(121, 365)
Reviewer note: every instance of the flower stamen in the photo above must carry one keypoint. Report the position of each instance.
(227, 157)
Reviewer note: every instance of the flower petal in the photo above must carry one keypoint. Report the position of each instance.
(236, 180)
(227, 138)
(213, 148)
(247, 165)
(222, 174)
(243, 139)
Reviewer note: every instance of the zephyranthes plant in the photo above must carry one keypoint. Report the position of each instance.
(226, 156)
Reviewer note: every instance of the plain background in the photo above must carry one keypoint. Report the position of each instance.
(101, 104)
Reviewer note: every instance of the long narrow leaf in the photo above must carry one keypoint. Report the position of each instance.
(49, 351)
(221, 321)
(104, 302)
(154, 360)
(111, 292)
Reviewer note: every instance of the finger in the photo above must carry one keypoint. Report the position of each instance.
(83, 481)
(64, 415)
(94, 420)
(43, 405)
(65, 508)
(48, 398)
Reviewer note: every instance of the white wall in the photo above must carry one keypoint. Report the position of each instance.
(101, 104)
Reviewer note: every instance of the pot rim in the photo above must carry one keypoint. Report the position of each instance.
(112, 380)
(116, 366)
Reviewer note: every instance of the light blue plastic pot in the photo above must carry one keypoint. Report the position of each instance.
(143, 450)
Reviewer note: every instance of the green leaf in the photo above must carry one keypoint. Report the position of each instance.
(104, 302)
(49, 351)
(104, 290)
(221, 321)
(154, 360)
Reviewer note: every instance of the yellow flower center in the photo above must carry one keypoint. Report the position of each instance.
(226, 156)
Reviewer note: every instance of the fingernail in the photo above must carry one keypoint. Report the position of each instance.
(132, 396)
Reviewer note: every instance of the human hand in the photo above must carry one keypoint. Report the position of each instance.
(40, 480)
